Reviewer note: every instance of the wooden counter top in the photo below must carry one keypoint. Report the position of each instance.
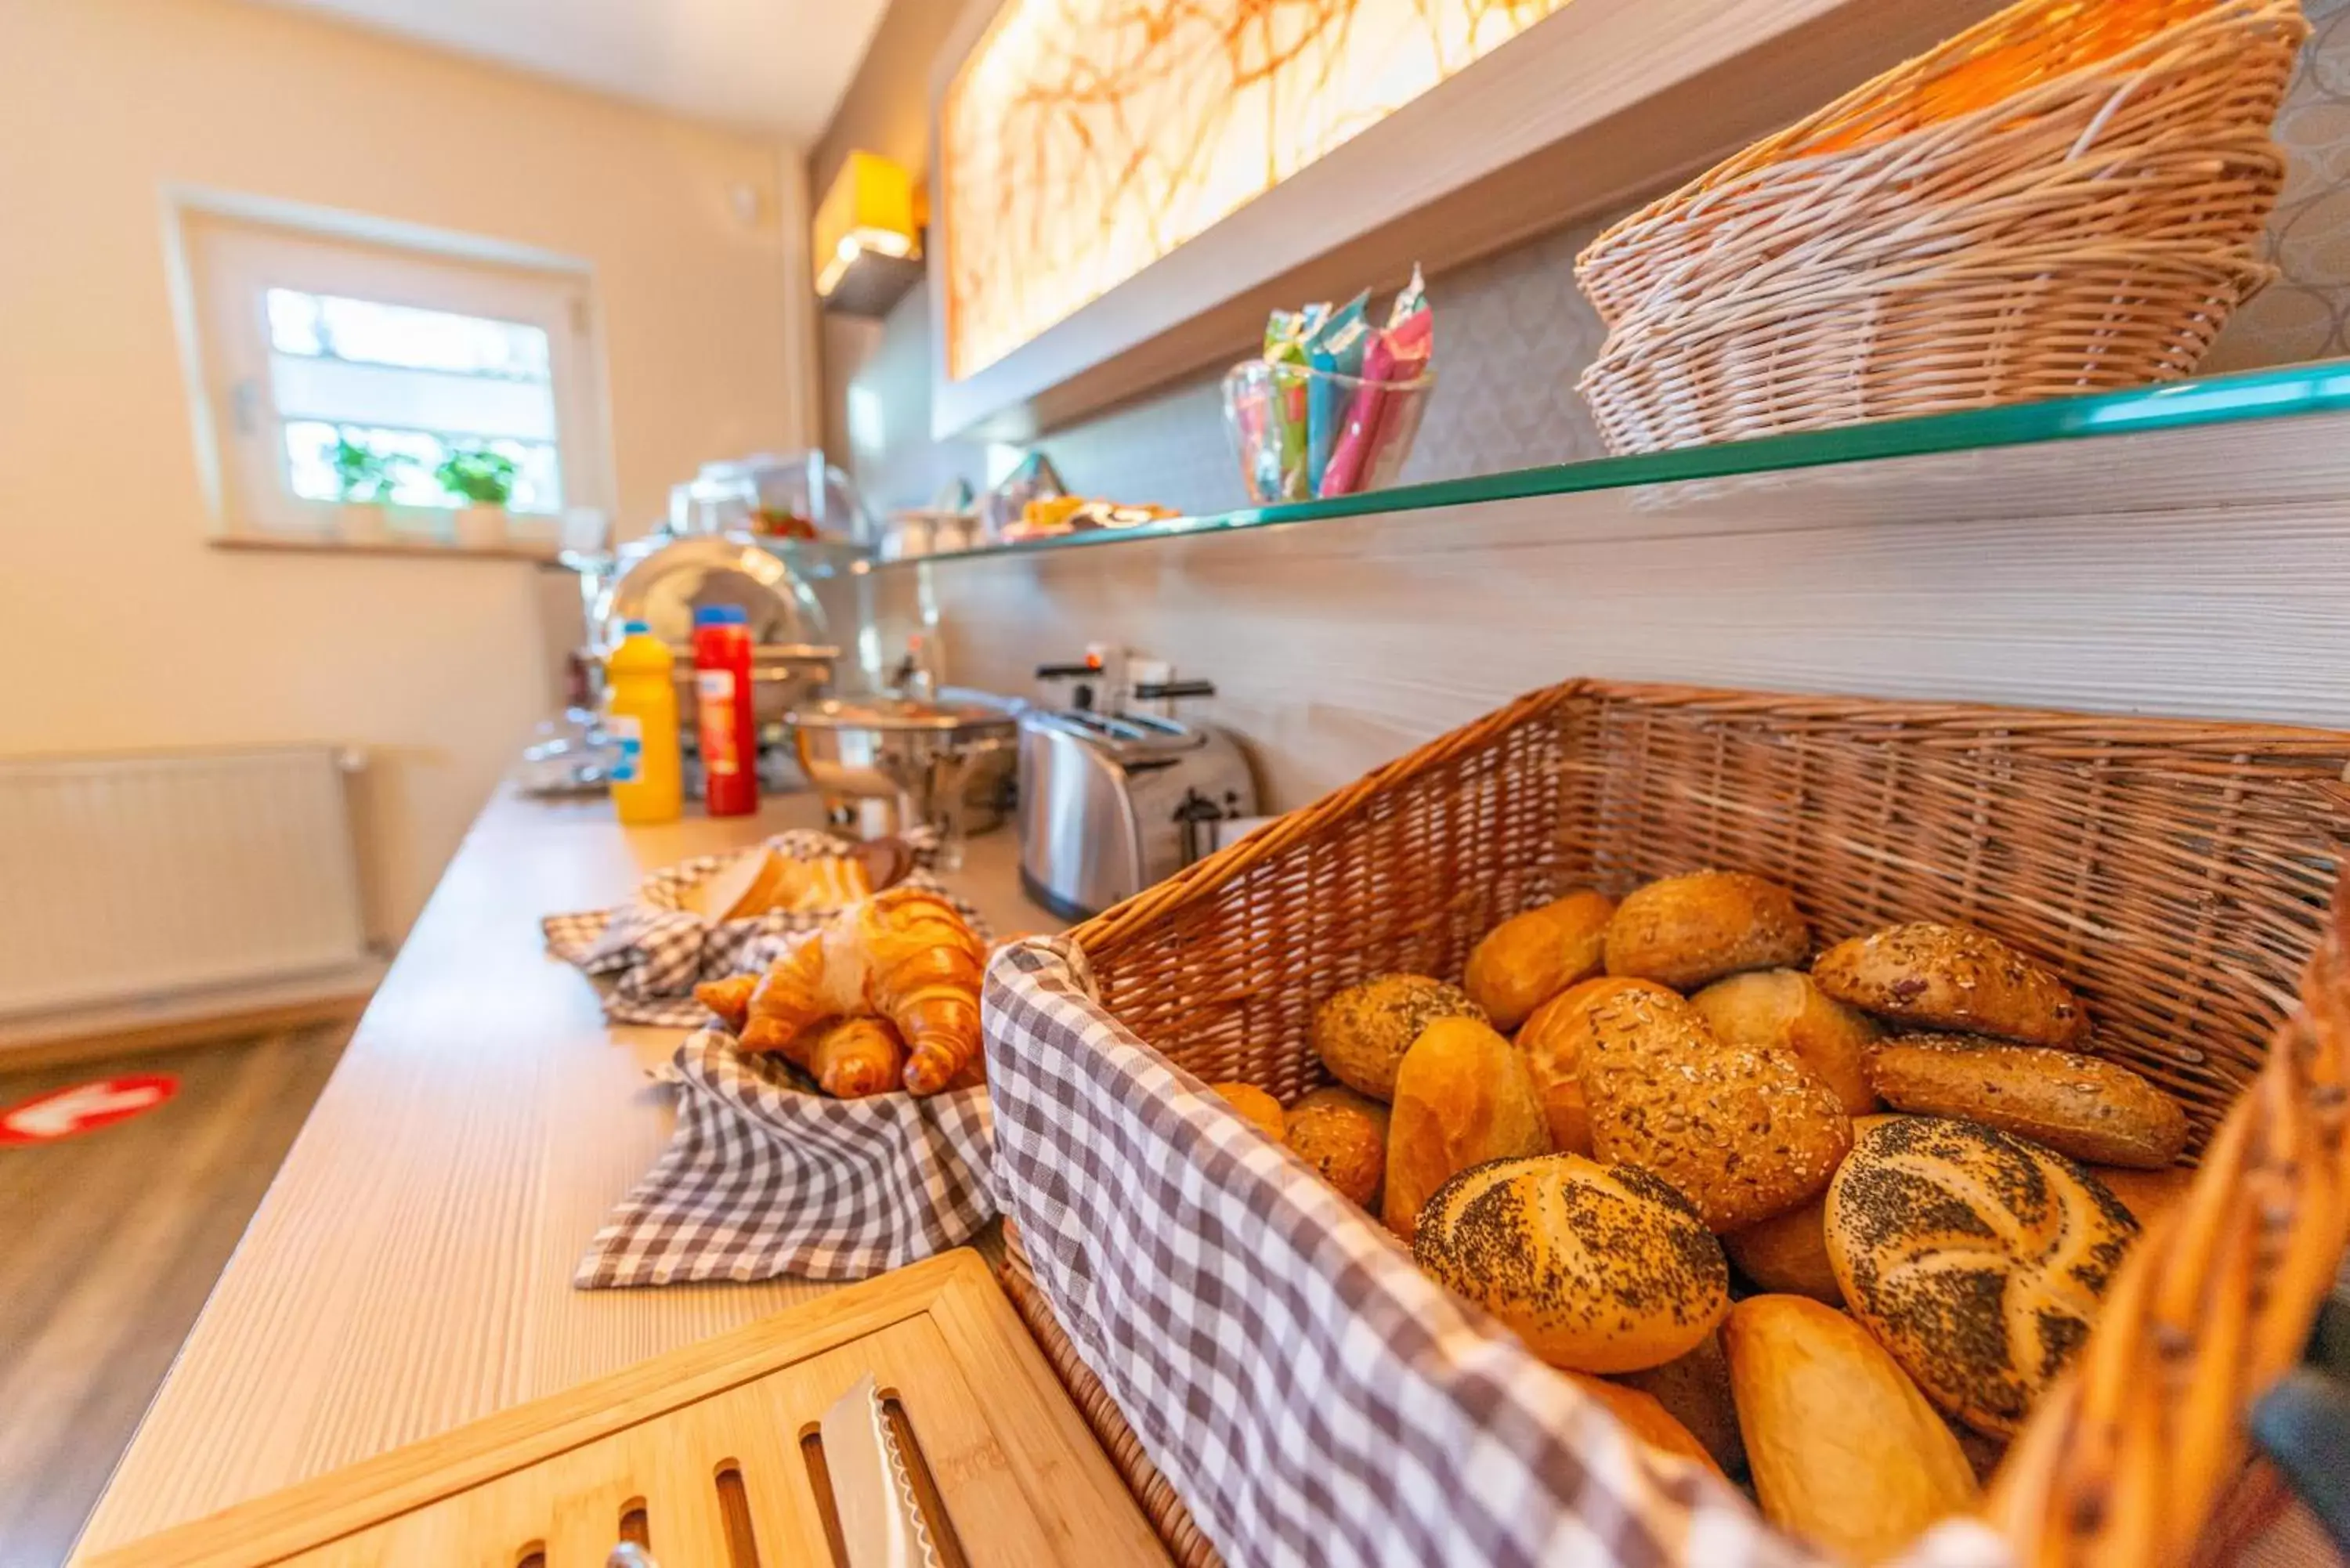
(410, 1269)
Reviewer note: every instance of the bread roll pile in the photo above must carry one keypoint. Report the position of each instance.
(1832, 1227)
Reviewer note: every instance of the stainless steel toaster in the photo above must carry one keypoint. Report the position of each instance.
(1110, 803)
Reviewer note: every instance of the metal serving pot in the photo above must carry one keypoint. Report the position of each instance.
(888, 765)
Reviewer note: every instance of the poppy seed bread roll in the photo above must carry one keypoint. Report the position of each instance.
(1597, 1268)
(1977, 1258)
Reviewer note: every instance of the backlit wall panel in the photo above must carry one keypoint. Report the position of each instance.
(1083, 139)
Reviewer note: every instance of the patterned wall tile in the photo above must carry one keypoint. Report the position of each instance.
(1514, 332)
(2301, 316)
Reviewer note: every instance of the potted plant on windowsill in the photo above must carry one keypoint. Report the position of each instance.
(364, 479)
(483, 481)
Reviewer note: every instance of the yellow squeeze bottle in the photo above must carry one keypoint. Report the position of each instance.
(648, 779)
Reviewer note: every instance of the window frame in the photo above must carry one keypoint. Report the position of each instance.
(226, 257)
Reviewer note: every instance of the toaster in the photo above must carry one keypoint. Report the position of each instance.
(1110, 803)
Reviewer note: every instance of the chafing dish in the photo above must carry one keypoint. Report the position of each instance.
(662, 579)
(886, 764)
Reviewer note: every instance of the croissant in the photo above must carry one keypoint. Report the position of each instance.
(853, 1057)
(904, 955)
(729, 998)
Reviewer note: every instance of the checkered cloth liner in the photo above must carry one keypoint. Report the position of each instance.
(1312, 1396)
(653, 951)
(765, 1178)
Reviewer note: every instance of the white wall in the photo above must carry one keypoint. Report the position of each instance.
(126, 629)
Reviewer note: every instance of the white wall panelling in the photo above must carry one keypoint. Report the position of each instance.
(2198, 573)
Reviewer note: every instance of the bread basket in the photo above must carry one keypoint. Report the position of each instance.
(2028, 152)
(2178, 873)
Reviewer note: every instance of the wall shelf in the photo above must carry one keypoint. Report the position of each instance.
(2299, 391)
(544, 555)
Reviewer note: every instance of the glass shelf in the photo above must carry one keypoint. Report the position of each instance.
(815, 559)
(2315, 389)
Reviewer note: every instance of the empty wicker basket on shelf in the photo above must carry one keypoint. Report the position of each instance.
(1902, 341)
(2033, 148)
(2178, 873)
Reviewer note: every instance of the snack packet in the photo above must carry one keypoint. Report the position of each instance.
(1336, 348)
(1375, 416)
(1281, 455)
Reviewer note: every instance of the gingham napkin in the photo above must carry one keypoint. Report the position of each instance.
(765, 1177)
(652, 951)
(1312, 1396)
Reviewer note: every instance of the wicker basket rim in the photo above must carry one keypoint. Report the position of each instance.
(1823, 223)
(1984, 725)
(1764, 161)
(2239, 146)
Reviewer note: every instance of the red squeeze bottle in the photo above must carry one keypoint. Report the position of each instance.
(728, 731)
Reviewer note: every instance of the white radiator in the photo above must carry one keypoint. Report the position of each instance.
(134, 878)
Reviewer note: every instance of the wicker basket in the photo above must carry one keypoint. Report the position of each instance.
(1926, 338)
(2033, 148)
(2177, 873)
(2117, 120)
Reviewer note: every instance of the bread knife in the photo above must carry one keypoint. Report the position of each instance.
(881, 1522)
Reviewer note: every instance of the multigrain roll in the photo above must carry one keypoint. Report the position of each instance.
(1344, 1135)
(1362, 1033)
(1647, 1419)
(1554, 1042)
(1978, 1258)
(2093, 1110)
(1599, 1269)
(1844, 1451)
(1932, 977)
(1783, 1010)
(1254, 1106)
(1529, 957)
(1683, 931)
(1461, 1097)
(1741, 1134)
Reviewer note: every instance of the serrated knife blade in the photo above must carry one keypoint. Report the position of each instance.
(881, 1522)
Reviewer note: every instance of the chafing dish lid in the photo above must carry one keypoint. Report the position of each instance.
(897, 713)
(662, 581)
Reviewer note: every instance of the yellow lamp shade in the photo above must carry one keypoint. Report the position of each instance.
(868, 211)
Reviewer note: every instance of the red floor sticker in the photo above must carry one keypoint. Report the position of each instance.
(78, 1109)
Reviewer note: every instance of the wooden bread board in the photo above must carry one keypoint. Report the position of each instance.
(702, 1456)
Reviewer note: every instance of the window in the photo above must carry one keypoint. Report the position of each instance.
(338, 371)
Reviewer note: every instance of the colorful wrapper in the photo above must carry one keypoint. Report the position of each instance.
(1336, 348)
(1280, 457)
(1399, 353)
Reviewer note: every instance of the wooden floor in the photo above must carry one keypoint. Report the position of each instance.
(110, 1243)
